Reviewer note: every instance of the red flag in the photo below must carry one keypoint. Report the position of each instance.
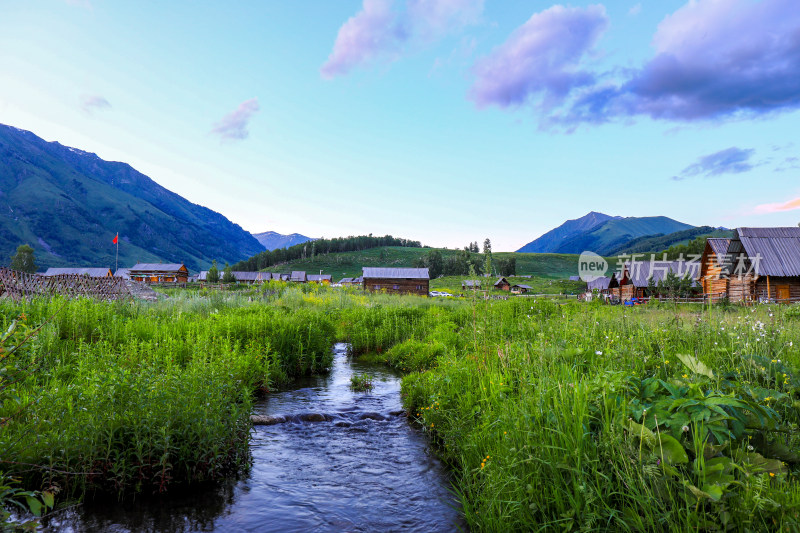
(116, 237)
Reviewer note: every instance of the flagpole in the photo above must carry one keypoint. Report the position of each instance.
(116, 258)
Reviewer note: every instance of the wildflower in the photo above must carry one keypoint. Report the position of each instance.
(598, 352)
(749, 448)
(772, 474)
(685, 429)
(686, 375)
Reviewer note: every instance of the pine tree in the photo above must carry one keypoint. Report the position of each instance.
(213, 273)
(227, 275)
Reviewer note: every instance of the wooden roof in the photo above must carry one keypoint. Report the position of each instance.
(640, 272)
(501, 281)
(520, 286)
(298, 275)
(395, 273)
(157, 267)
(599, 284)
(318, 277)
(719, 247)
(123, 273)
(778, 249)
(92, 272)
(471, 283)
(346, 280)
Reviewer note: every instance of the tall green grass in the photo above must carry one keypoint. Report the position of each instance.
(131, 397)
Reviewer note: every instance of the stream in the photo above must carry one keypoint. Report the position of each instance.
(363, 468)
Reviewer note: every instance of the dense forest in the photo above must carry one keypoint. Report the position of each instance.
(320, 247)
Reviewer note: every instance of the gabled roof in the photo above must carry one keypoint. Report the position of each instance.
(471, 283)
(124, 273)
(359, 279)
(640, 272)
(777, 249)
(599, 284)
(501, 281)
(719, 247)
(298, 275)
(157, 267)
(92, 272)
(396, 273)
(318, 277)
(520, 286)
(574, 278)
(346, 280)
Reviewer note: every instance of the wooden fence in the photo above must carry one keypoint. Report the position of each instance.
(18, 285)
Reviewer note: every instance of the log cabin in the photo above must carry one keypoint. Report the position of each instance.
(634, 280)
(471, 284)
(502, 284)
(712, 280)
(324, 279)
(521, 289)
(159, 272)
(298, 276)
(763, 264)
(396, 280)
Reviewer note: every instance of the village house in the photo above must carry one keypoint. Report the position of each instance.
(124, 273)
(635, 278)
(712, 280)
(598, 287)
(324, 279)
(159, 272)
(763, 264)
(396, 280)
(91, 272)
(471, 284)
(521, 289)
(239, 275)
(346, 282)
(502, 284)
(298, 276)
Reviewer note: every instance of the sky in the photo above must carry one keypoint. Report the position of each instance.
(443, 121)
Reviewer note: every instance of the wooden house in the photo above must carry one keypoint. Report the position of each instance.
(712, 280)
(521, 289)
(159, 272)
(502, 284)
(396, 280)
(91, 272)
(471, 284)
(324, 279)
(298, 276)
(634, 280)
(346, 282)
(599, 286)
(124, 273)
(763, 264)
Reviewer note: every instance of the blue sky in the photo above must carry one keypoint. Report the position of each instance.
(446, 121)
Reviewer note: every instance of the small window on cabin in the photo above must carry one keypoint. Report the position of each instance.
(396, 287)
(377, 287)
(419, 287)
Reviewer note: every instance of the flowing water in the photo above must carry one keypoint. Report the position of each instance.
(360, 467)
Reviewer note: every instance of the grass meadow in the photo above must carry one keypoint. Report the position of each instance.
(551, 416)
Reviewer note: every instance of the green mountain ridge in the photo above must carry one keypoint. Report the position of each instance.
(68, 204)
(602, 234)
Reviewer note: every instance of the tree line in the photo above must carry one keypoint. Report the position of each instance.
(467, 262)
(310, 249)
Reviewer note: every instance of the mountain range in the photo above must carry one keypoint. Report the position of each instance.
(272, 240)
(602, 234)
(69, 204)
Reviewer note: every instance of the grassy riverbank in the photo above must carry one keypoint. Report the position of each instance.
(551, 416)
(134, 397)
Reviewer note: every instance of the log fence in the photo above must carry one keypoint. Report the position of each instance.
(21, 285)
